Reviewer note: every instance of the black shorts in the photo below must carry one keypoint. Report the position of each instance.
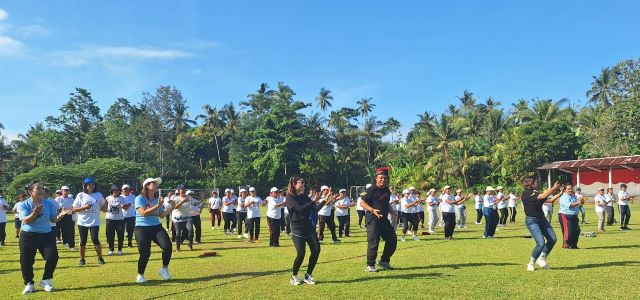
(18, 223)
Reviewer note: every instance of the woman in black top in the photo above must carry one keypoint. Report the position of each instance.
(537, 224)
(303, 232)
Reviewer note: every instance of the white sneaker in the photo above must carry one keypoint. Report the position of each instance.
(218, 227)
(164, 272)
(213, 228)
(246, 236)
(120, 253)
(29, 288)
(239, 236)
(402, 238)
(530, 267)
(295, 280)
(140, 279)
(110, 253)
(415, 238)
(542, 263)
(72, 249)
(46, 285)
(308, 279)
(431, 231)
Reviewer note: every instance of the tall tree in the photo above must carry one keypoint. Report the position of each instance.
(323, 100)
(602, 89)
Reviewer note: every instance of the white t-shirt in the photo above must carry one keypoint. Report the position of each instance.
(215, 203)
(66, 204)
(131, 212)
(230, 207)
(461, 205)
(403, 204)
(3, 211)
(622, 195)
(114, 208)
(419, 207)
(478, 199)
(501, 204)
(608, 198)
(394, 206)
(341, 212)
(91, 216)
(358, 206)
(513, 200)
(489, 201)
(196, 205)
(326, 209)
(599, 199)
(254, 210)
(16, 214)
(240, 203)
(434, 200)
(274, 212)
(446, 207)
(182, 213)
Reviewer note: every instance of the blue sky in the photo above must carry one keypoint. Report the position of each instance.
(409, 56)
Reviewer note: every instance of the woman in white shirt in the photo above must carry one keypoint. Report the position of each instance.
(489, 213)
(359, 207)
(18, 223)
(408, 207)
(214, 208)
(228, 212)
(609, 200)
(501, 202)
(196, 209)
(394, 212)
(253, 215)
(448, 212)
(325, 215)
(342, 212)
(460, 210)
(513, 203)
(129, 213)
(274, 216)
(623, 204)
(478, 206)
(432, 209)
(88, 205)
(600, 203)
(241, 214)
(181, 216)
(115, 220)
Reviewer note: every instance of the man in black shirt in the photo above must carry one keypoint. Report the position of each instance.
(376, 204)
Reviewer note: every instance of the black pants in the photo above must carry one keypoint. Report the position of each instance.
(610, 215)
(360, 217)
(3, 232)
(409, 218)
(625, 215)
(275, 226)
(169, 223)
(570, 230)
(58, 231)
(300, 243)
(241, 217)
(183, 229)
(421, 217)
(129, 226)
(479, 215)
(144, 236)
(68, 230)
(228, 217)
(504, 214)
(343, 225)
(253, 225)
(283, 226)
(329, 222)
(287, 220)
(32, 242)
(115, 227)
(377, 229)
(83, 231)
(512, 212)
(197, 227)
(449, 223)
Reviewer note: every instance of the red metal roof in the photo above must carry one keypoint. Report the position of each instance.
(616, 161)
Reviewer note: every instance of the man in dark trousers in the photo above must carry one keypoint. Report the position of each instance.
(376, 204)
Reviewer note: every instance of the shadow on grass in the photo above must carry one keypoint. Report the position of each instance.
(458, 266)
(602, 265)
(392, 275)
(614, 247)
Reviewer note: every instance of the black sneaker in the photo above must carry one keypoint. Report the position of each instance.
(101, 261)
(385, 265)
(82, 262)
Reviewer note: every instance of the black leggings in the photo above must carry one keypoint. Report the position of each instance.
(343, 225)
(409, 218)
(421, 218)
(328, 221)
(45, 243)
(129, 225)
(68, 231)
(512, 212)
(3, 232)
(113, 227)
(301, 245)
(241, 217)
(360, 216)
(83, 231)
(144, 236)
(228, 217)
(253, 226)
(504, 214)
(449, 223)
(197, 227)
(479, 216)
(182, 229)
(274, 231)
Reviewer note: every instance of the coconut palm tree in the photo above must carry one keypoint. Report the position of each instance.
(324, 99)
(521, 112)
(213, 124)
(602, 89)
(365, 107)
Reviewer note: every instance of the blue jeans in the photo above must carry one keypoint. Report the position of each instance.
(490, 222)
(540, 230)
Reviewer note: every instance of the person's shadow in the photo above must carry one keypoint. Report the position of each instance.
(601, 265)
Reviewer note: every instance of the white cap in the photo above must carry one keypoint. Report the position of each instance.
(342, 191)
(367, 186)
(446, 187)
(274, 189)
(432, 190)
(227, 190)
(156, 180)
(412, 188)
(489, 188)
(458, 191)
(252, 189)
(324, 187)
(499, 187)
(58, 191)
(601, 189)
(189, 192)
(125, 186)
(64, 187)
(232, 191)
(405, 191)
(242, 190)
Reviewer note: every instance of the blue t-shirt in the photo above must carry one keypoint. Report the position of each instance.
(565, 201)
(43, 223)
(152, 220)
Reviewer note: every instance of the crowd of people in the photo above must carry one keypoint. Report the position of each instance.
(44, 219)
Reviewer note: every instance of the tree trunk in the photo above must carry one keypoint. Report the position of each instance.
(215, 137)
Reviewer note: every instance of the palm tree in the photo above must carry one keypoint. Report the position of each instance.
(231, 118)
(314, 121)
(324, 99)
(467, 101)
(365, 107)
(445, 138)
(602, 89)
(213, 124)
(547, 109)
(520, 112)
(371, 129)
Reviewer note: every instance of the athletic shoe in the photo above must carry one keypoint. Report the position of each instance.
(463, 226)
(385, 265)
(308, 279)
(120, 253)
(140, 279)
(213, 228)
(415, 238)
(478, 223)
(246, 236)
(431, 232)
(46, 285)
(58, 241)
(82, 262)
(72, 249)
(542, 263)
(531, 267)
(65, 245)
(371, 269)
(294, 280)
(110, 253)
(336, 241)
(402, 238)
(218, 227)
(321, 241)
(28, 289)
(164, 273)
(100, 261)
(239, 236)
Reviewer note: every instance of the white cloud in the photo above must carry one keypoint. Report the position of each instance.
(3, 14)
(10, 46)
(32, 30)
(111, 53)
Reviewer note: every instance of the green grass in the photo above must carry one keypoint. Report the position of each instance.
(468, 267)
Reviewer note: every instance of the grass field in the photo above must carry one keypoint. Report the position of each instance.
(606, 267)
